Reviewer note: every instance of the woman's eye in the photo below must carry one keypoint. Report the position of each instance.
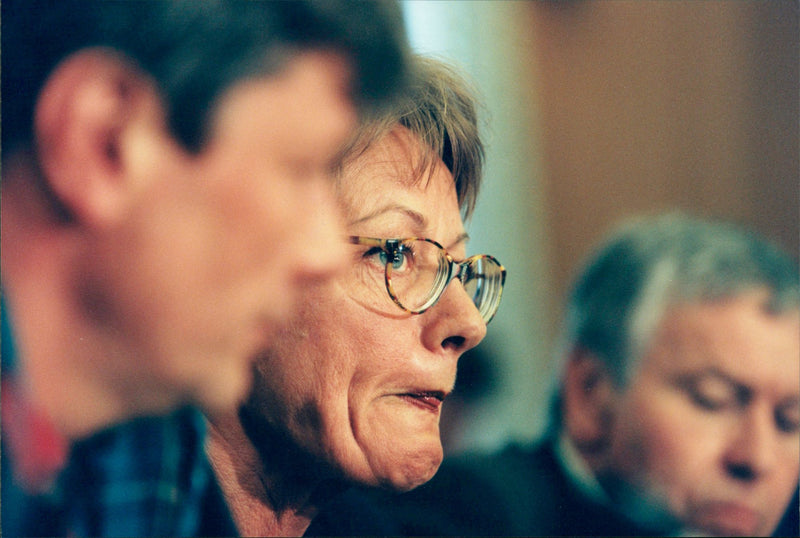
(402, 257)
(381, 257)
(377, 255)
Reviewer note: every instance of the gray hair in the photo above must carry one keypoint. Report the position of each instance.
(651, 263)
(441, 108)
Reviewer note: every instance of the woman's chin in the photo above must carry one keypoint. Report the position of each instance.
(400, 445)
(409, 465)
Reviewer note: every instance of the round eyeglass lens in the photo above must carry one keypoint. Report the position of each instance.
(418, 274)
(483, 281)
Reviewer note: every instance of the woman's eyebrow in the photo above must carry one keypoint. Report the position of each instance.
(463, 238)
(419, 219)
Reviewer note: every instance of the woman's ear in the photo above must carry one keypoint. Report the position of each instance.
(588, 402)
(80, 116)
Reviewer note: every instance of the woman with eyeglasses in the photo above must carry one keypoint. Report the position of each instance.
(352, 390)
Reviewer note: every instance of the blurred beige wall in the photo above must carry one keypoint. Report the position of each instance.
(652, 105)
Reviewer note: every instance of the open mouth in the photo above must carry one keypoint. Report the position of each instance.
(428, 400)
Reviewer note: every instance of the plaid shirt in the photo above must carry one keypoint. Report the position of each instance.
(147, 477)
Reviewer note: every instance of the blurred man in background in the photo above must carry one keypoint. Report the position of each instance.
(159, 160)
(677, 408)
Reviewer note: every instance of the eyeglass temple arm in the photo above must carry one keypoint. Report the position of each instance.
(366, 241)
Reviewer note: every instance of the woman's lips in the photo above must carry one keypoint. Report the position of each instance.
(428, 400)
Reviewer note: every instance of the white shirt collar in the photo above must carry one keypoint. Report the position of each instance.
(582, 477)
(577, 470)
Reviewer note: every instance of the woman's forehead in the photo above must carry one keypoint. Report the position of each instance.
(383, 191)
(389, 203)
(396, 155)
(392, 162)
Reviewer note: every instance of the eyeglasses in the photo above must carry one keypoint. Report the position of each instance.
(417, 271)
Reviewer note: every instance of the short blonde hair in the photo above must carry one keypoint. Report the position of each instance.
(441, 108)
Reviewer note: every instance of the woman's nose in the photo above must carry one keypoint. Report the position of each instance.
(455, 324)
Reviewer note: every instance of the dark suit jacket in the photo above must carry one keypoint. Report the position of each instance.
(520, 491)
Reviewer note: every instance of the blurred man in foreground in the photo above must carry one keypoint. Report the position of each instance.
(159, 160)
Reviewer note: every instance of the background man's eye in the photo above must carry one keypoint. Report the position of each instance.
(788, 421)
(712, 394)
(708, 402)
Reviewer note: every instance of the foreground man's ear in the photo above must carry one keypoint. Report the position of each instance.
(588, 397)
(81, 117)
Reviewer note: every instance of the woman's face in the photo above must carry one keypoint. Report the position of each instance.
(353, 380)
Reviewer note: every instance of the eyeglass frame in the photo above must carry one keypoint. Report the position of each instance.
(390, 246)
